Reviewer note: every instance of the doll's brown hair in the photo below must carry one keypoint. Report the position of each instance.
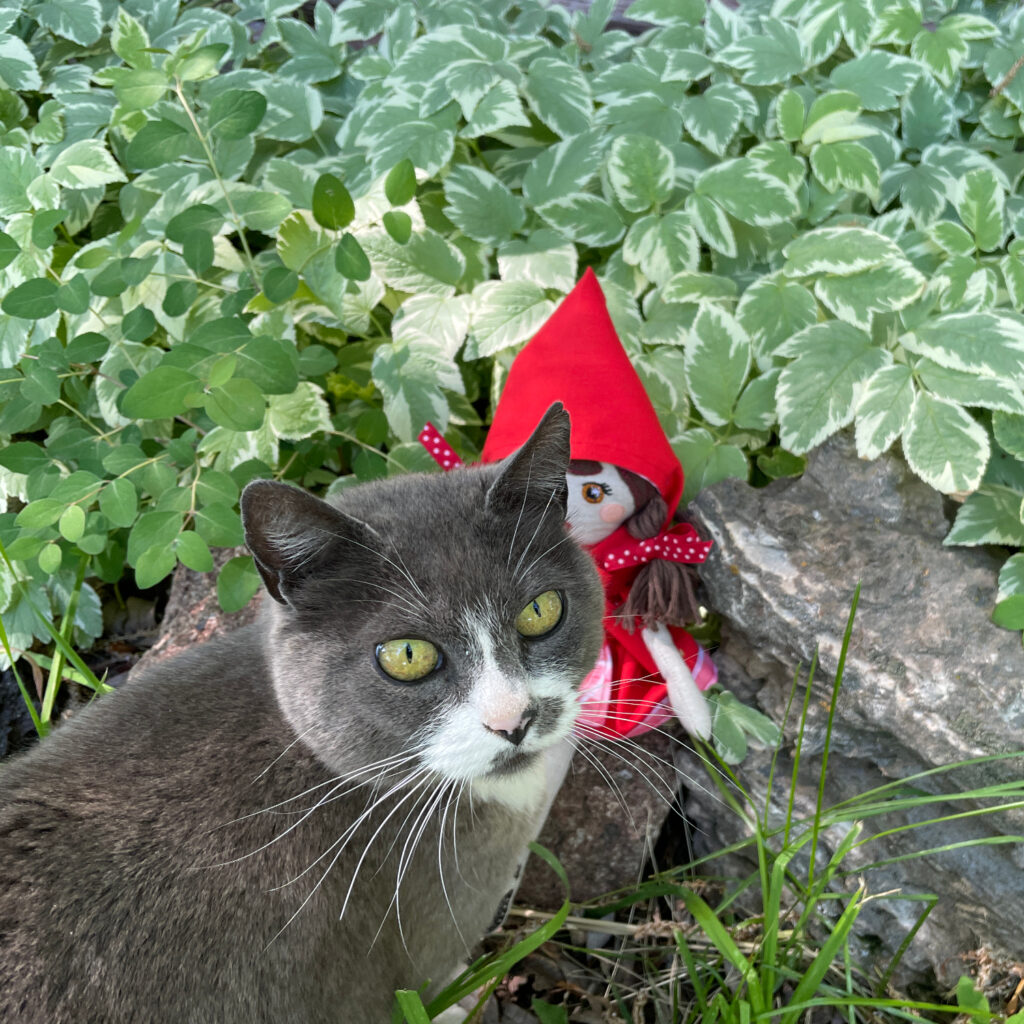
(662, 591)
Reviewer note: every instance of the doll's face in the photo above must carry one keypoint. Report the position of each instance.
(599, 504)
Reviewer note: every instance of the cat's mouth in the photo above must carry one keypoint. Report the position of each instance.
(514, 762)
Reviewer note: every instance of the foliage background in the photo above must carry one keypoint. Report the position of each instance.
(254, 239)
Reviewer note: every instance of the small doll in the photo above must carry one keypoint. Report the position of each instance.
(624, 481)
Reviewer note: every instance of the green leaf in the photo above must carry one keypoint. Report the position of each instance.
(707, 461)
(197, 251)
(140, 89)
(987, 343)
(847, 250)
(201, 63)
(236, 114)
(856, 297)
(641, 172)
(200, 217)
(156, 143)
(877, 77)
(193, 551)
(981, 207)
(584, 218)
(506, 313)
(119, 502)
(481, 206)
(280, 284)
(747, 193)
(400, 184)
(81, 21)
(50, 557)
(544, 257)
(772, 310)
(159, 393)
(1011, 577)
(884, 409)
(9, 250)
(300, 414)
(23, 457)
(846, 165)
(398, 224)
(662, 246)
(218, 524)
(717, 362)
(238, 405)
(33, 299)
(989, 516)
(154, 529)
(819, 391)
(18, 70)
(713, 116)
(755, 409)
(153, 565)
(39, 513)
(927, 113)
(945, 446)
(411, 382)
(72, 523)
(563, 168)
(1008, 613)
(350, 260)
(559, 95)
(332, 205)
(971, 389)
(1009, 430)
(789, 114)
(770, 58)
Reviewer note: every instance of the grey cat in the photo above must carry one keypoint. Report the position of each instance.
(288, 824)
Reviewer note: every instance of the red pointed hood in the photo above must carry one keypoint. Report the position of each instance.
(576, 358)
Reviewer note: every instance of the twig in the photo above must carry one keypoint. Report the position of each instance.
(1007, 78)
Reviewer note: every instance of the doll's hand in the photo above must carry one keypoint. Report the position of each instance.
(734, 726)
(689, 704)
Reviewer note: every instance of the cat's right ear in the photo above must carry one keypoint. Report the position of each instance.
(292, 533)
(535, 475)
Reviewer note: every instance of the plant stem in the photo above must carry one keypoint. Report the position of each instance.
(57, 665)
(220, 181)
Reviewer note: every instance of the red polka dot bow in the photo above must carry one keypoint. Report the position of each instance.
(438, 448)
(679, 544)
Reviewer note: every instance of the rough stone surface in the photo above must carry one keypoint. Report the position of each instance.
(192, 615)
(928, 681)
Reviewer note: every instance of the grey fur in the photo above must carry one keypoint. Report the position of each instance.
(142, 847)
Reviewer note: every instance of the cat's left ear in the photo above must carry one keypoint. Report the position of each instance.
(292, 534)
(535, 475)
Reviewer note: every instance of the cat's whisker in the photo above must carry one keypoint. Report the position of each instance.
(522, 509)
(516, 574)
(407, 602)
(456, 795)
(283, 752)
(562, 540)
(312, 892)
(592, 759)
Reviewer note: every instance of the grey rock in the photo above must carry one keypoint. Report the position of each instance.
(929, 681)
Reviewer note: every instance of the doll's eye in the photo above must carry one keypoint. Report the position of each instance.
(408, 660)
(594, 492)
(541, 615)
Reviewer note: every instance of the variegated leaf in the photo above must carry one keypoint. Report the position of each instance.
(545, 258)
(641, 172)
(713, 117)
(506, 313)
(717, 363)
(846, 165)
(985, 342)
(438, 321)
(584, 218)
(772, 310)
(884, 409)
(839, 251)
(819, 391)
(885, 289)
(662, 245)
(712, 224)
(944, 445)
(991, 516)
(747, 193)
(971, 389)
(981, 205)
(773, 56)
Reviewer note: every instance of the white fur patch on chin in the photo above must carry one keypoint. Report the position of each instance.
(524, 791)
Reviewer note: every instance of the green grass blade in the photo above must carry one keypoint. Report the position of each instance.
(813, 976)
(412, 1007)
(41, 728)
(799, 750)
(57, 664)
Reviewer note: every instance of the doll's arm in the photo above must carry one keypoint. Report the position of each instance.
(686, 699)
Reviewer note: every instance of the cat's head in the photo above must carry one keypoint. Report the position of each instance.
(446, 617)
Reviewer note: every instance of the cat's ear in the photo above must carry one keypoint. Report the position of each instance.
(535, 475)
(291, 533)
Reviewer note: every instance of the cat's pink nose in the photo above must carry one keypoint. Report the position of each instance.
(511, 727)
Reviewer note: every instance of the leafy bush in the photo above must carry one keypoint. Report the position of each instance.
(804, 217)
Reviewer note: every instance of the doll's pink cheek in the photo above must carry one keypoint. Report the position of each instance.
(613, 513)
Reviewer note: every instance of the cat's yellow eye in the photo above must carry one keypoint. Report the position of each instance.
(541, 615)
(408, 660)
